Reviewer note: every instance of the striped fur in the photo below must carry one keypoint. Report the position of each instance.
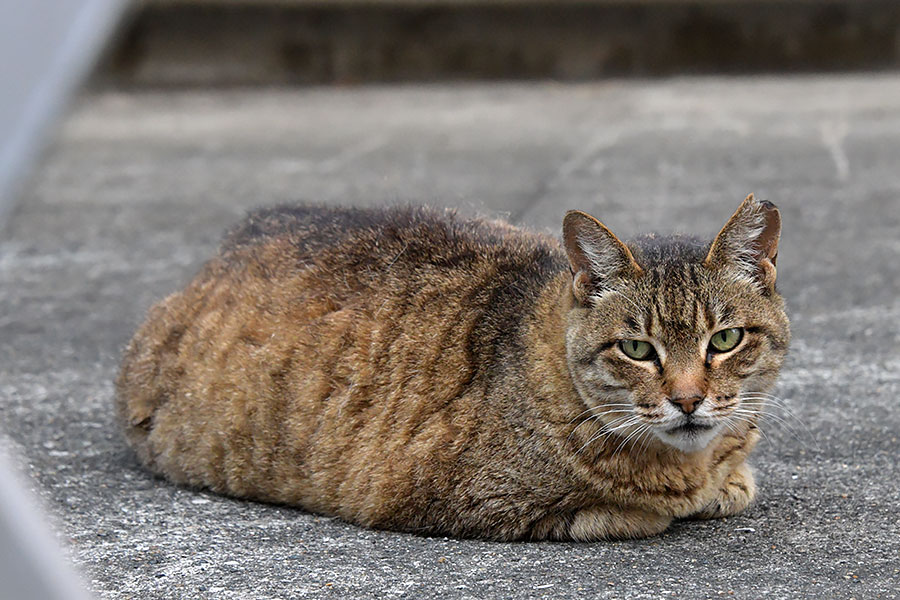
(407, 369)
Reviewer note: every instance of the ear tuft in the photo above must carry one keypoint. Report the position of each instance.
(748, 244)
(596, 256)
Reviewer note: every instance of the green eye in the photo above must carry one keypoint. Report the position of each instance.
(637, 349)
(725, 340)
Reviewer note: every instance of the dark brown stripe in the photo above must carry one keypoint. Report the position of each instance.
(632, 325)
(709, 315)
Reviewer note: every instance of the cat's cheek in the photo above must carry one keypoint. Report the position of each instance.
(600, 378)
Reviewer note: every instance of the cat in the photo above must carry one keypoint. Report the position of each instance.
(411, 370)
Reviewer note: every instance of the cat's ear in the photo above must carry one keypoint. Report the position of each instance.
(748, 244)
(596, 256)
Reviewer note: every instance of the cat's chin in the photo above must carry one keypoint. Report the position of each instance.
(690, 437)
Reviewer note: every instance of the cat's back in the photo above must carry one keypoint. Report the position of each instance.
(386, 262)
(404, 238)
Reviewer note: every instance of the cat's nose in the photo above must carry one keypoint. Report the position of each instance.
(687, 405)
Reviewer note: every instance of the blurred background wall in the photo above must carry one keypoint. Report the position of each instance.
(271, 42)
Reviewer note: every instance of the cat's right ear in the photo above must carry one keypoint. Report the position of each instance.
(748, 244)
(596, 256)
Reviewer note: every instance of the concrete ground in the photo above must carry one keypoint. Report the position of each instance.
(135, 193)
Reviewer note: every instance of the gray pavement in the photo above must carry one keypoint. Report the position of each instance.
(138, 187)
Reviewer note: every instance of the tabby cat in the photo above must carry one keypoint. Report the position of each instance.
(408, 369)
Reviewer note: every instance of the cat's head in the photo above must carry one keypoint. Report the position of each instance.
(673, 337)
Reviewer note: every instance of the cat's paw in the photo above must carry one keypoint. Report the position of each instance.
(733, 496)
(601, 523)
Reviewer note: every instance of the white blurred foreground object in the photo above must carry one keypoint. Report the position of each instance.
(47, 48)
(30, 564)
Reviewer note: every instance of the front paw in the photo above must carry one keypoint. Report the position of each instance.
(734, 495)
(601, 523)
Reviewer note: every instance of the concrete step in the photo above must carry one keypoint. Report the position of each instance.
(249, 42)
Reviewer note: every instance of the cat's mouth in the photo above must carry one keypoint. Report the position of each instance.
(690, 435)
(689, 428)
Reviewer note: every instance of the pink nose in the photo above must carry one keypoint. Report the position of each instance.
(687, 405)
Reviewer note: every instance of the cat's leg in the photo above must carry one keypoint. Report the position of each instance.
(601, 523)
(734, 495)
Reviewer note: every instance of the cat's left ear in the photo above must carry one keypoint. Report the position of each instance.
(748, 244)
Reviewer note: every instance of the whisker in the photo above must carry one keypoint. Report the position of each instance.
(643, 438)
(647, 440)
(629, 437)
(749, 422)
(601, 407)
(597, 417)
(729, 425)
(609, 412)
(766, 397)
(761, 406)
(598, 413)
(760, 399)
(768, 408)
(602, 413)
(619, 427)
(604, 432)
(766, 401)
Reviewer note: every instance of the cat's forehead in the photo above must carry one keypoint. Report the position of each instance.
(672, 267)
(677, 295)
(654, 251)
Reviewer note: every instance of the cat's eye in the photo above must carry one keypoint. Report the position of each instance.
(726, 340)
(637, 349)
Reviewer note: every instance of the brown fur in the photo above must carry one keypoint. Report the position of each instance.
(406, 369)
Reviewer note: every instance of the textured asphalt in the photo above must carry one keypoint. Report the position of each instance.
(137, 189)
